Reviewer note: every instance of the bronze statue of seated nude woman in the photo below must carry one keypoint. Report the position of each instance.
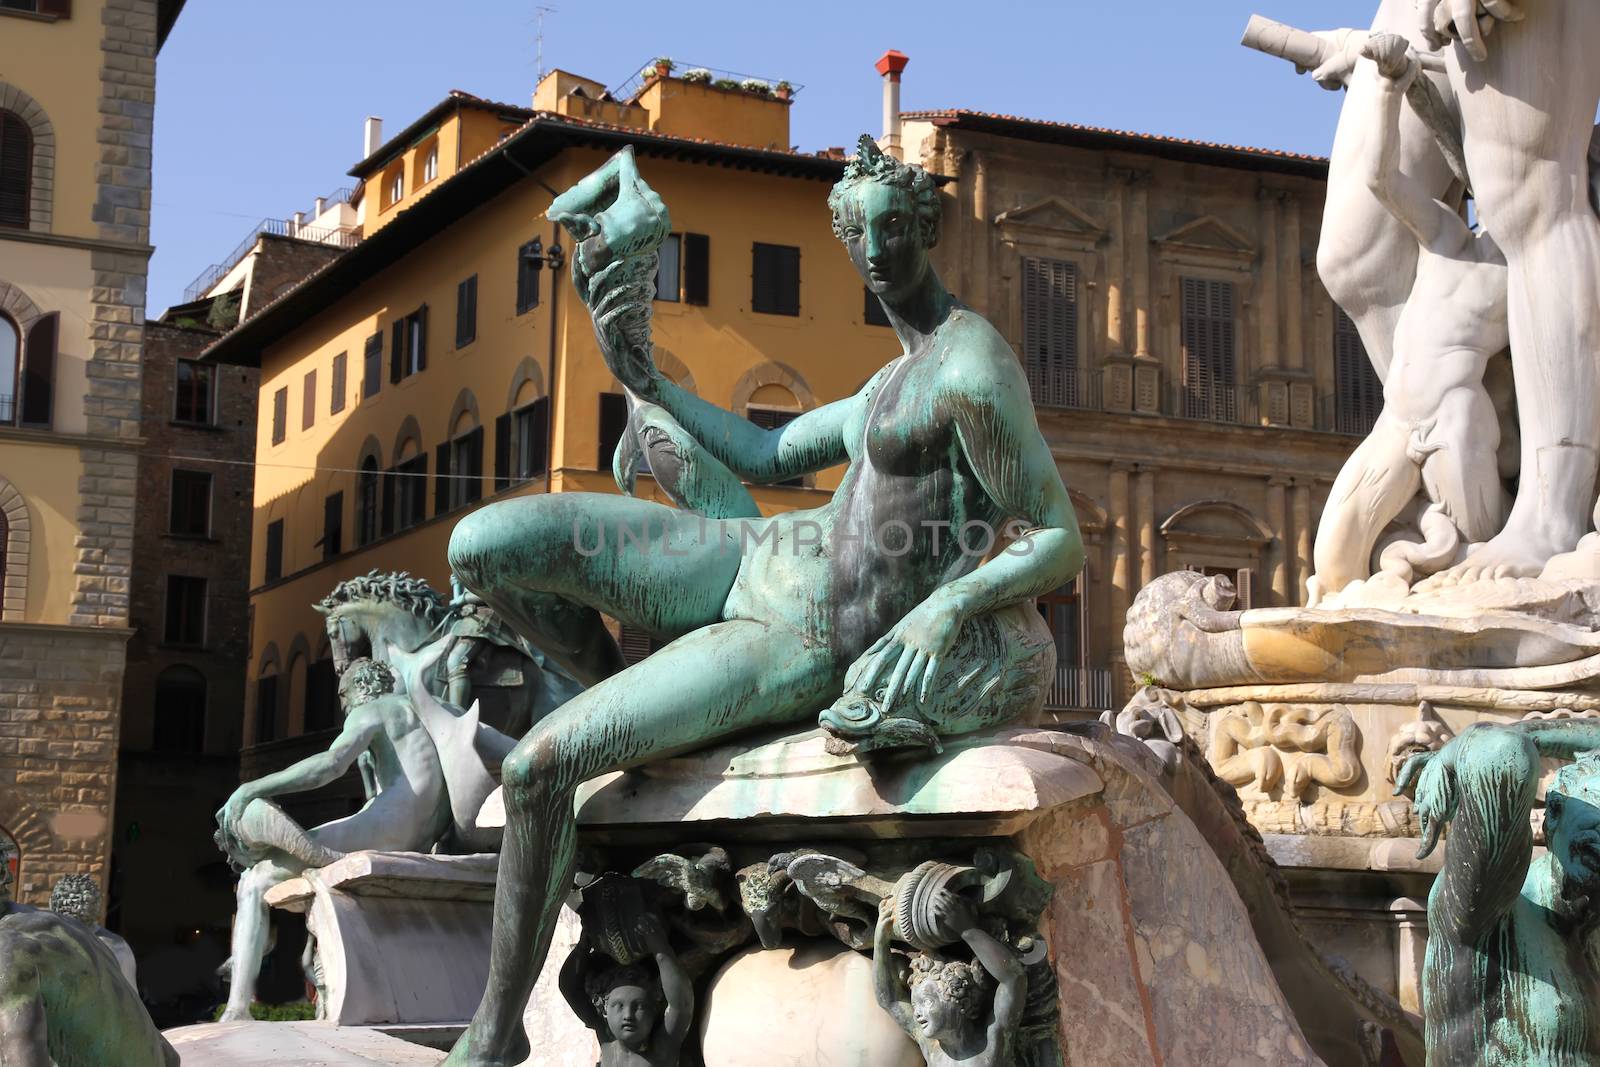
(765, 617)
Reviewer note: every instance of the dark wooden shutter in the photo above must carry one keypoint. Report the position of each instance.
(274, 550)
(422, 338)
(59, 8)
(775, 279)
(16, 169)
(280, 415)
(613, 424)
(441, 479)
(266, 709)
(332, 525)
(372, 365)
(386, 519)
(1358, 392)
(338, 386)
(467, 312)
(527, 279)
(39, 370)
(308, 401)
(474, 464)
(397, 351)
(1208, 350)
(539, 454)
(1050, 329)
(502, 452)
(696, 257)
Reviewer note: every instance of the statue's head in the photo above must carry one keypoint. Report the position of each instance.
(1572, 823)
(947, 996)
(359, 607)
(363, 681)
(77, 896)
(887, 214)
(629, 998)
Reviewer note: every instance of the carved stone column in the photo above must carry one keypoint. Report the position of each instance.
(1144, 508)
(1121, 556)
(1277, 575)
(1293, 294)
(1116, 267)
(1267, 293)
(1138, 244)
(1411, 917)
(1300, 496)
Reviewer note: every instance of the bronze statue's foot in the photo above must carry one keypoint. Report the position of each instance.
(467, 1054)
(1510, 554)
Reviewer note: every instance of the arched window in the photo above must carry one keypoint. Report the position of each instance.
(16, 169)
(459, 470)
(322, 692)
(10, 361)
(180, 711)
(367, 501)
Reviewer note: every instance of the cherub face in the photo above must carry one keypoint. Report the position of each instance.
(936, 1015)
(631, 1013)
(879, 226)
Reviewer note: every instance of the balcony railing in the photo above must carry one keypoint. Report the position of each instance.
(1081, 687)
(1070, 389)
(339, 236)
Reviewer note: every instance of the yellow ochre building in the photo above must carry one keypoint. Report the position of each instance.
(443, 361)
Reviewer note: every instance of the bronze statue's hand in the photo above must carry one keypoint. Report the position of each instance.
(911, 653)
(652, 934)
(229, 815)
(954, 913)
(1434, 796)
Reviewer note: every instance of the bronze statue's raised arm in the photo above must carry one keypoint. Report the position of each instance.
(1010, 994)
(886, 985)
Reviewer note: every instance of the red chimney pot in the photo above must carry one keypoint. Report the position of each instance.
(891, 63)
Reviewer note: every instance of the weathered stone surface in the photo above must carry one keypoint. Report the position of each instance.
(805, 1005)
(303, 1044)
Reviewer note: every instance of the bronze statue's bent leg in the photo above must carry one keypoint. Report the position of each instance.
(711, 683)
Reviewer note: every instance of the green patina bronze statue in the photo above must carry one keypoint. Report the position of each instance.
(64, 1001)
(1510, 977)
(766, 617)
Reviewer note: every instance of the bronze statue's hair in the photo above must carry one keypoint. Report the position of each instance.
(394, 587)
(599, 984)
(964, 984)
(366, 679)
(872, 164)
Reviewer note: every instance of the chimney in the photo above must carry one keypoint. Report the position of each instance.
(319, 206)
(890, 64)
(299, 223)
(371, 136)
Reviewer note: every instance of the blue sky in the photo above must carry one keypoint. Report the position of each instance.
(260, 105)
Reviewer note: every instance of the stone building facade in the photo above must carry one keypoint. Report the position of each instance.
(77, 99)
(1195, 381)
(183, 689)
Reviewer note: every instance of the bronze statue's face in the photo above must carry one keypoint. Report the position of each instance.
(631, 1014)
(879, 227)
(1572, 823)
(936, 1014)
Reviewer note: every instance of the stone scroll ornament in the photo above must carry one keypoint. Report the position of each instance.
(1510, 967)
(1249, 743)
(867, 603)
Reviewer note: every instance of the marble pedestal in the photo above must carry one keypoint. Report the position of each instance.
(1163, 899)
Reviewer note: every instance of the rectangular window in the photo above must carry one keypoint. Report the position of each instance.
(280, 415)
(409, 354)
(1207, 334)
(322, 696)
(1050, 330)
(332, 525)
(430, 165)
(531, 429)
(195, 388)
(308, 401)
(467, 312)
(1358, 394)
(338, 384)
(696, 265)
(186, 610)
(372, 365)
(461, 472)
(873, 314)
(274, 550)
(775, 279)
(613, 424)
(396, 187)
(367, 506)
(266, 709)
(528, 264)
(667, 268)
(771, 419)
(190, 513)
(410, 491)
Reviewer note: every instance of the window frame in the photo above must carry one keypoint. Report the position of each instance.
(191, 733)
(410, 488)
(24, 195)
(529, 267)
(209, 392)
(372, 366)
(675, 289)
(308, 400)
(526, 444)
(16, 375)
(466, 311)
(769, 299)
(1052, 329)
(338, 382)
(178, 641)
(272, 552)
(369, 512)
(280, 415)
(196, 478)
